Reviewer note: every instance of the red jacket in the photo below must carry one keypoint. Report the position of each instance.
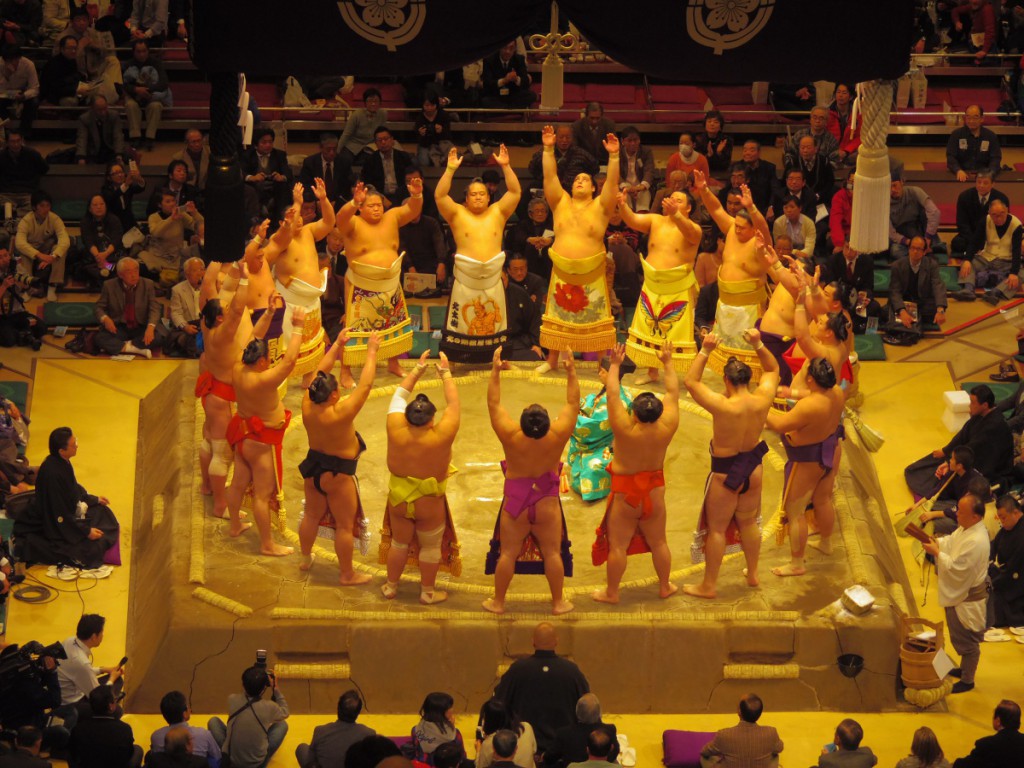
(983, 21)
(840, 217)
(848, 143)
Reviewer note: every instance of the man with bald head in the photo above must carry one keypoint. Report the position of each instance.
(999, 258)
(571, 741)
(543, 689)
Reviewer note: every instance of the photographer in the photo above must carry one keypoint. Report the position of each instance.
(16, 475)
(31, 692)
(255, 727)
(78, 677)
(17, 326)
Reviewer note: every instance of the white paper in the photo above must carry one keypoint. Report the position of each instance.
(547, 233)
(247, 130)
(942, 664)
(821, 213)
(243, 107)
(241, 88)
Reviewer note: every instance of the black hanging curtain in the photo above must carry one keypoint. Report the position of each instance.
(726, 41)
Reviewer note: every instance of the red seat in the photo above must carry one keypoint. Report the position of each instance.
(947, 212)
(987, 98)
(747, 113)
(730, 94)
(932, 165)
(611, 95)
(910, 116)
(191, 101)
(679, 94)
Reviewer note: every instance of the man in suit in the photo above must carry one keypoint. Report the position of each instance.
(129, 313)
(571, 741)
(1003, 748)
(762, 176)
(100, 134)
(506, 83)
(196, 156)
(915, 281)
(322, 165)
(971, 210)
(746, 743)
(589, 132)
(385, 169)
(266, 169)
(181, 341)
(848, 752)
(26, 753)
(636, 170)
(857, 270)
(103, 741)
(331, 742)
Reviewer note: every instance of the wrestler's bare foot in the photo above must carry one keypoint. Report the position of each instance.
(699, 590)
(223, 514)
(394, 367)
(345, 380)
(492, 605)
(238, 530)
(432, 596)
(823, 545)
(789, 570)
(752, 581)
(602, 596)
(307, 562)
(354, 579)
(561, 606)
(276, 550)
(668, 590)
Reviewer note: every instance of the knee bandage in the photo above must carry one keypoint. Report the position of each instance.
(398, 545)
(204, 447)
(399, 401)
(219, 460)
(430, 545)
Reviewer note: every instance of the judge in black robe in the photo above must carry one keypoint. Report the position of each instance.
(56, 530)
(1006, 601)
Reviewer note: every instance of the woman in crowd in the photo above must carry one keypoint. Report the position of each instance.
(494, 717)
(925, 751)
(713, 142)
(436, 727)
(101, 241)
(118, 191)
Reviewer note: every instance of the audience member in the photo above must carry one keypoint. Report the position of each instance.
(818, 173)
(323, 165)
(129, 313)
(572, 160)
(961, 568)
(988, 435)
(267, 171)
(177, 752)
(385, 169)
(957, 480)
(762, 176)
(825, 143)
(103, 741)
(796, 185)
(713, 142)
(56, 15)
(523, 315)
(434, 127)
(911, 214)
(19, 88)
(20, 170)
(100, 135)
(925, 751)
(436, 726)
(183, 334)
(746, 744)
(737, 178)
(358, 134)
(493, 749)
(77, 674)
(590, 131)
(792, 97)
(101, 243)
(506, 83)
(371, 751)
(840, 220)
(519, 274)
(797, 226)
(848, 753)
(196, 156)
(149, 21)
(424, 247)
(570, 742)
(26, 753)
(331, 742)
(636, 170)
(917, 294)
(688, 159)
(971, 213)
(972, 147)
(1006, 569)
(255, 727)
(177, 184)
(174, 235)
(1003, 748)
(100, 70)
(980, 29)
(998, 261)
(119, 191)
(42, 244)
(176, 712)
(22, 20)
(60, 77)
(677, 181)
(543, 689)
(840, 115)
(530, 238)
(146, 89)
(18, 326)
(599, 746)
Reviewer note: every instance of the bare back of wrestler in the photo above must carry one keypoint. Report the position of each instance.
(814, 419)
(256, 387)
(817, 334)
(533, 456)
(330, 429)
(478, 228)
(639, 446)
(738, 420)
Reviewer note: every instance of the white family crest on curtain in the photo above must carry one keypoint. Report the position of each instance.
(390, 23)
(725, 24)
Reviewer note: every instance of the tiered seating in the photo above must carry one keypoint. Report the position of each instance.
(678, 103)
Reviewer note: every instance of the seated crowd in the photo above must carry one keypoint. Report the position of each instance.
(542, 713)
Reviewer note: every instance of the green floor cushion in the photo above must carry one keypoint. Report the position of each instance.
(437, 314)
(73, 313)
(423, 340)
(949, 277)
(882, 278)
(16, 392)
(869, 346)
(71, 211)
(1001, 390)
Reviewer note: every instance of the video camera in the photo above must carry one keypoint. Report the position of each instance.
(27, 661)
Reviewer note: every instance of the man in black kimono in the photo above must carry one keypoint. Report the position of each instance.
(68, 525)
(1006, 601)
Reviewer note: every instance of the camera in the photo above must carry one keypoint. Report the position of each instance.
(261, 658)
(28, 661)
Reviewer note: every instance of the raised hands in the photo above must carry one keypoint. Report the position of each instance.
(665, 354)
(710, 342)
(700, 182)
(496, 359)
(567, 359)
(320, 189)
(297, 192)
(501, 156)
(359, 194)
(415, 186)
(261, 230)
(454, 161)
(618, 354)
(746, 199)
(547, 136)
(611, 144)
(372, 342)
(442, 367)
(752, 336)
(669, 207)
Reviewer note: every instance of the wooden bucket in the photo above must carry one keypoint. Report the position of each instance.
(917, 655)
